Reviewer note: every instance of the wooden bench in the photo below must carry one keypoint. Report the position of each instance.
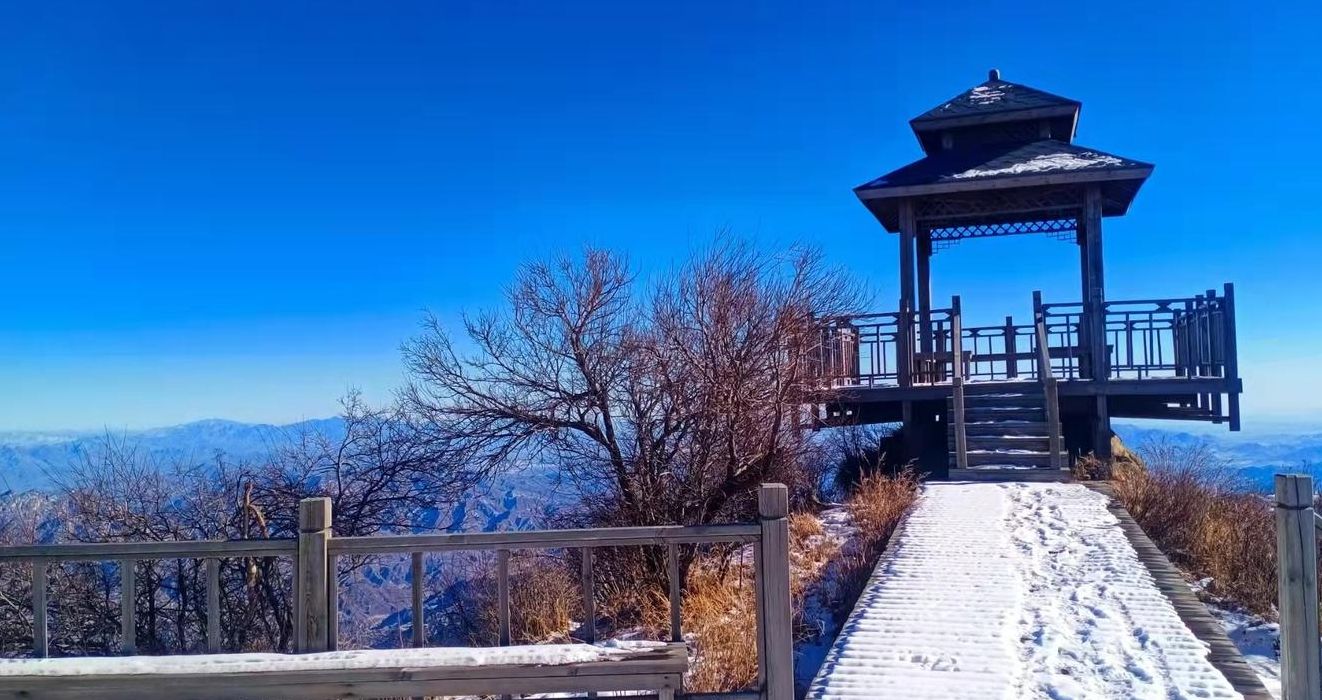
(377, 673)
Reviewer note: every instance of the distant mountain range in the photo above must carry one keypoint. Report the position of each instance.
(1258, 455)
(29, 460)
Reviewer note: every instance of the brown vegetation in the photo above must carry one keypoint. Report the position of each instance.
(1198, 512)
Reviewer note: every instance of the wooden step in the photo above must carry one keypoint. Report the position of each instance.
(1004, 458)
(1039, 443)
(1009, 475)
(988, 414)
(1003, 401)
(1008, 427)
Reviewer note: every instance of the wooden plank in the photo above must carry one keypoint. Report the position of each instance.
(1232, 355)
(773, 512)
(672, 566)
(332, 603)
(1296, 547)
(503, 595)
(40, 643)
(417, 572)
(314, 523)
(127, 607)
(546, 539)
(184, 549)
(213, 605)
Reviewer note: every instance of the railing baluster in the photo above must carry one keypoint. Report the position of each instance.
(503, 595)
(332, 603)
(672, 563)
(40, 645)
(127, 607)
(213, 606)
(419, 622)
(589, 600)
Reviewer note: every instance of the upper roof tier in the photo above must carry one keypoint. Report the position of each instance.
(1003, 143)
(996, 111)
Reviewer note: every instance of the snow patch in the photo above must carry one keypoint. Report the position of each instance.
(1045, 163)
(539, 654)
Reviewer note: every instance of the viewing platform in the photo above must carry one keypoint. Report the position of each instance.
(1000, 159)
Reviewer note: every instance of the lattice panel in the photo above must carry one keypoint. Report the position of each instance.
(1059, 229)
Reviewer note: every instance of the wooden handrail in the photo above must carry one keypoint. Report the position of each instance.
(1050, 391)
(316, 587)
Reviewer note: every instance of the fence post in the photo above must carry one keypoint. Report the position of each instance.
(774, 581)
(1296, 556)
(312, 631)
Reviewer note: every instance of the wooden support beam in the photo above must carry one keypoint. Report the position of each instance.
(676, 602)
(589, 600)
(1296, 546)
(1096, 299)
(904, 349)
(925, 302)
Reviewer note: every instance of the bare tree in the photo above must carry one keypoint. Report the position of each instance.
(665, 405)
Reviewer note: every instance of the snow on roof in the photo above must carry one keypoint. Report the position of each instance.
(534, 655)
(1045, 163)
(984, 95)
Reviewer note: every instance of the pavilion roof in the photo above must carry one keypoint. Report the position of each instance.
(993, 100)
(995, 167)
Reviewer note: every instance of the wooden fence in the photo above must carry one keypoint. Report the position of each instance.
(316, 550)
(1296, 557)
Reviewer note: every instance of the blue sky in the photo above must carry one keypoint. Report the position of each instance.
(239, 209)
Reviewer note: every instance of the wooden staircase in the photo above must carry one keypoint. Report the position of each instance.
(1005, 427)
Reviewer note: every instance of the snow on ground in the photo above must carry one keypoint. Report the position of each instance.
(1015, 591)
(819, 598)
(1258, 641)
(540, 654)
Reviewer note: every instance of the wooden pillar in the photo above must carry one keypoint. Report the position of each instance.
(1296, 547)
(1094, 302)
(777, 618)
(925, 305)
(1102, 431)
(904, 346)
(312, 631)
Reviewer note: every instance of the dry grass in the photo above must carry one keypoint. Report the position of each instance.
(544, 599)
(1200, 515)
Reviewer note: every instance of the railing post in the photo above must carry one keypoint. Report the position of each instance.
(40, 645)
(1011, 350)
(312, 631)
(777, 641)
(1232, 357)
(957, 382)
(1050, 390)
(1296, 557)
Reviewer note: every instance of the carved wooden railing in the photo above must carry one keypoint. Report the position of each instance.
(316, 583)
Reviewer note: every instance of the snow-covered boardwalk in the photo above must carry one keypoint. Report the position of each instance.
(1011, 590)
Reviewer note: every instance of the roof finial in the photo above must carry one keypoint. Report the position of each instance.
(993, 74)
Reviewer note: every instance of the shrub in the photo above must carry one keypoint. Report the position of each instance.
(1198, 511)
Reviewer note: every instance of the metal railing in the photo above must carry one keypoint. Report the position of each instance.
(1183, 337)
(316, 584)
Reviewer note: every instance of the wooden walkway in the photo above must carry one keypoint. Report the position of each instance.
(1223, 654)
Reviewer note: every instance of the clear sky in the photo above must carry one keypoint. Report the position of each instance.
(239, 209)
